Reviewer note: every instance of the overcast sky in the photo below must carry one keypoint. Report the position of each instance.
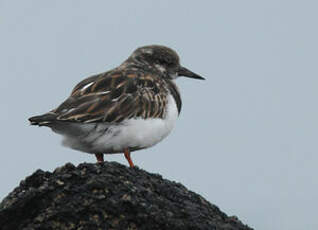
(246, 139)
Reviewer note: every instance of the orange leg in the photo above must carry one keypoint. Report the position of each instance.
(127, 155)
(99, 157)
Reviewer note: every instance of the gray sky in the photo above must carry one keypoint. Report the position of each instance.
(246, 139)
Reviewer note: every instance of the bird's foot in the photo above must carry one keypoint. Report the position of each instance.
(99, 157)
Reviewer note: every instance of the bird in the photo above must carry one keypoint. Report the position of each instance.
(131, 107)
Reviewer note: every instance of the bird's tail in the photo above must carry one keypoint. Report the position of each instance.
(43, 120)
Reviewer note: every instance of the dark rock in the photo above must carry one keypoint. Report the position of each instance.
(107, 196)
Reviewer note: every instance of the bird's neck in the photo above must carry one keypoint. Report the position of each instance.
(173, 89)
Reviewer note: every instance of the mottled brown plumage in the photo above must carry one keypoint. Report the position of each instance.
(131, 107)
(117, 95)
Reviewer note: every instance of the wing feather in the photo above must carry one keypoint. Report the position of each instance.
(113, 97)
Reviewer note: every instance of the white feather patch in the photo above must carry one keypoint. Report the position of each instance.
(86, 86)
(133, 133)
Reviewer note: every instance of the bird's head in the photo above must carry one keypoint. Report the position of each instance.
(164, 60)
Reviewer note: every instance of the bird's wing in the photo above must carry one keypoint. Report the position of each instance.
(113, 97)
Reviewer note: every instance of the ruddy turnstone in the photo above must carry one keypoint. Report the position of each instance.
(131, 107)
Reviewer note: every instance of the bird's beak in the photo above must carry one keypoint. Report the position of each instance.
(187, 73)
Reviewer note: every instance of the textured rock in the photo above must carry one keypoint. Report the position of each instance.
(107, 196)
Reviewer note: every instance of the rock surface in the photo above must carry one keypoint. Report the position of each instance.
(107, 196)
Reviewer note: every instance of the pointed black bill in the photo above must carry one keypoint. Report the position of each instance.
(187, 73)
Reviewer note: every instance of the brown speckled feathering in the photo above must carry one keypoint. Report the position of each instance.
(104, 112)
(117, 95)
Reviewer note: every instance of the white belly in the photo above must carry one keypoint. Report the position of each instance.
(133, 133)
